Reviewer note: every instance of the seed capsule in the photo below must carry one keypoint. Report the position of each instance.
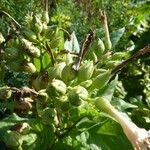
(68, 73)
(5, 93)
(29, 67)
(85, 71)
(77, 95)
(30, 35)
(56, 88)
(37, 25)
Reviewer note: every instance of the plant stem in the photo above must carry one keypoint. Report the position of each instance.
(138, 54)
(9, 16)
(85, 46)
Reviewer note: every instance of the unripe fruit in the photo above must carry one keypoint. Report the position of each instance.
(101, 80)
(56, 88)
(29, 67)
(30, 35)
(77, 95)
(56, 71)
(30, 49)
(68, 73)
(40, 82)
(85, 71)
(48, 116)
(5, 93)
(12, 139)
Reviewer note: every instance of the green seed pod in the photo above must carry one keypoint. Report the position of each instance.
(56, 88)
(30, 49)
(12, 139)
(111, 64)
(77, 95)
(56, 71)
(29, 67)
(11, 53)
(101, 80)
(5, 93)
(43, 97)
(85, 71)
(68, 73)
(48, 116)
(1, 38)
(101, 46)
(30, 35)
(45, 17)
(40, 82)
(37, 25)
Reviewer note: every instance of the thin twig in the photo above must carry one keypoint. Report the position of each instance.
(51, 54)
(9, 16)
(138, 54)
(84, 49)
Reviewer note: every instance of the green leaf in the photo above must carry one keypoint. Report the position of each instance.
(45, 60)
(115, 36)
(72, 45)
(37, 64)
(121, 104)
(109, 89)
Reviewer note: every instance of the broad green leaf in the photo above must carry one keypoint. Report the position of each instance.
(37, 64)
(46, 60)
(121, 104)
(109, 89)
(72, 45)
(115, 36)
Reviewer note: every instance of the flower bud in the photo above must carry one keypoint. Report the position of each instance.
(56, 88)
(5, 93)
(85, 71)
(30, 49)
(139, 137)
(77, 95)
(29, 67)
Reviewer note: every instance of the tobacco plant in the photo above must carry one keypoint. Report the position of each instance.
(65, 81)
